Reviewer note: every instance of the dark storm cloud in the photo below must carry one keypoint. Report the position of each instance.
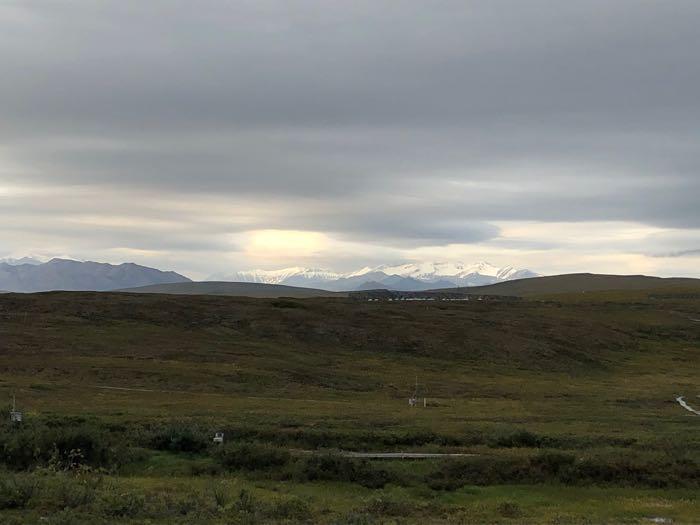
(409, 122)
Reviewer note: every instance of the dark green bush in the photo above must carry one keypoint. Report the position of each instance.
(555, 467)
(178, 437)
(120, 504)
(251, 456)
(509, 509)
(15, 492)
(520, 438)
(551, 465)
(67, 491)
(246, 503)
(385, 506)
(338, 468)
(293, 509)
(65, 447)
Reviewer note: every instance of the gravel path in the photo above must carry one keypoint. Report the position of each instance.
(402, 455)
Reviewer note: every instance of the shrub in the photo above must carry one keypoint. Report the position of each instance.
(520, 438)
(508, 509)
(249, 456)
(191, 503)
(68, 492)
(388, 507)
(294, 509)
(178, 438)
(221, 494)
(65, 446)
(338, 468)
(121, 504)
(565, 468)
(246, 503)
(551, 465)
(15, 492)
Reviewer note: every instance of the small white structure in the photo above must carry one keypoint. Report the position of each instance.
(219, 437)
(15, 415)
(413, 401)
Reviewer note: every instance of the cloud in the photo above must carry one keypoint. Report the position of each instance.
(397, 125)
(681, 253)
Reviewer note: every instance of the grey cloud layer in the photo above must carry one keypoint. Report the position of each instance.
(409, 122)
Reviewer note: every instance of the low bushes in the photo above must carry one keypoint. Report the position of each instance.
(556, 467)
(117, 503)
(251, 456)
(70, 498)
(328, 467)
(64, 447)
(175, 437)
(16, 492)
(338, 468)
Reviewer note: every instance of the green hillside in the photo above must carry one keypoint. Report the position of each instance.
(579, 283)
(234, 289)
(568, 405)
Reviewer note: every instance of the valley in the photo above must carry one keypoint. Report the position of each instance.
(549, 396)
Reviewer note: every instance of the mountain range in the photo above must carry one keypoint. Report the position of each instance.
(405, 277)
(32, 275)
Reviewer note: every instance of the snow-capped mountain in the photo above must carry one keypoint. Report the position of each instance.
(22, 260)
(294, 276)
(411, 276)
(457, 272)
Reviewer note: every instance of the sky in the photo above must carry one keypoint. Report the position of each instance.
(214, 136)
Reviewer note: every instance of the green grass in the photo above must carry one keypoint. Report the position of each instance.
(593, 377)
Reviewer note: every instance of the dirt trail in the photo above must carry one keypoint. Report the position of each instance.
(685, 405)
(402, 455)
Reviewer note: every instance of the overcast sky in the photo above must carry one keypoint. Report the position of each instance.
(212, 136)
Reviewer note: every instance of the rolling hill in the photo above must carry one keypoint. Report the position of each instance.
(233, 289)
(579, 283)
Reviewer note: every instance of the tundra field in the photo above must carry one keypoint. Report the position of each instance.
(566, 405)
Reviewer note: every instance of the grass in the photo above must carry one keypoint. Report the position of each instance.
(152, 377)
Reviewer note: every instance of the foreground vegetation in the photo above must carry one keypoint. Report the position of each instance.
(566, 406)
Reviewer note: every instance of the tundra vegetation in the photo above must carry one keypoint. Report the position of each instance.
(567, 403)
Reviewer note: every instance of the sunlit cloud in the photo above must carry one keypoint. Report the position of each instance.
(284, 243)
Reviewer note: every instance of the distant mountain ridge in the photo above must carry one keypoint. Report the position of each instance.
(70, 275)
(581, 283)
(405, 277)
(22, 260)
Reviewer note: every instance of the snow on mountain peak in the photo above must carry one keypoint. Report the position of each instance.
(279, 276)
(429, 271)
(441, 273)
